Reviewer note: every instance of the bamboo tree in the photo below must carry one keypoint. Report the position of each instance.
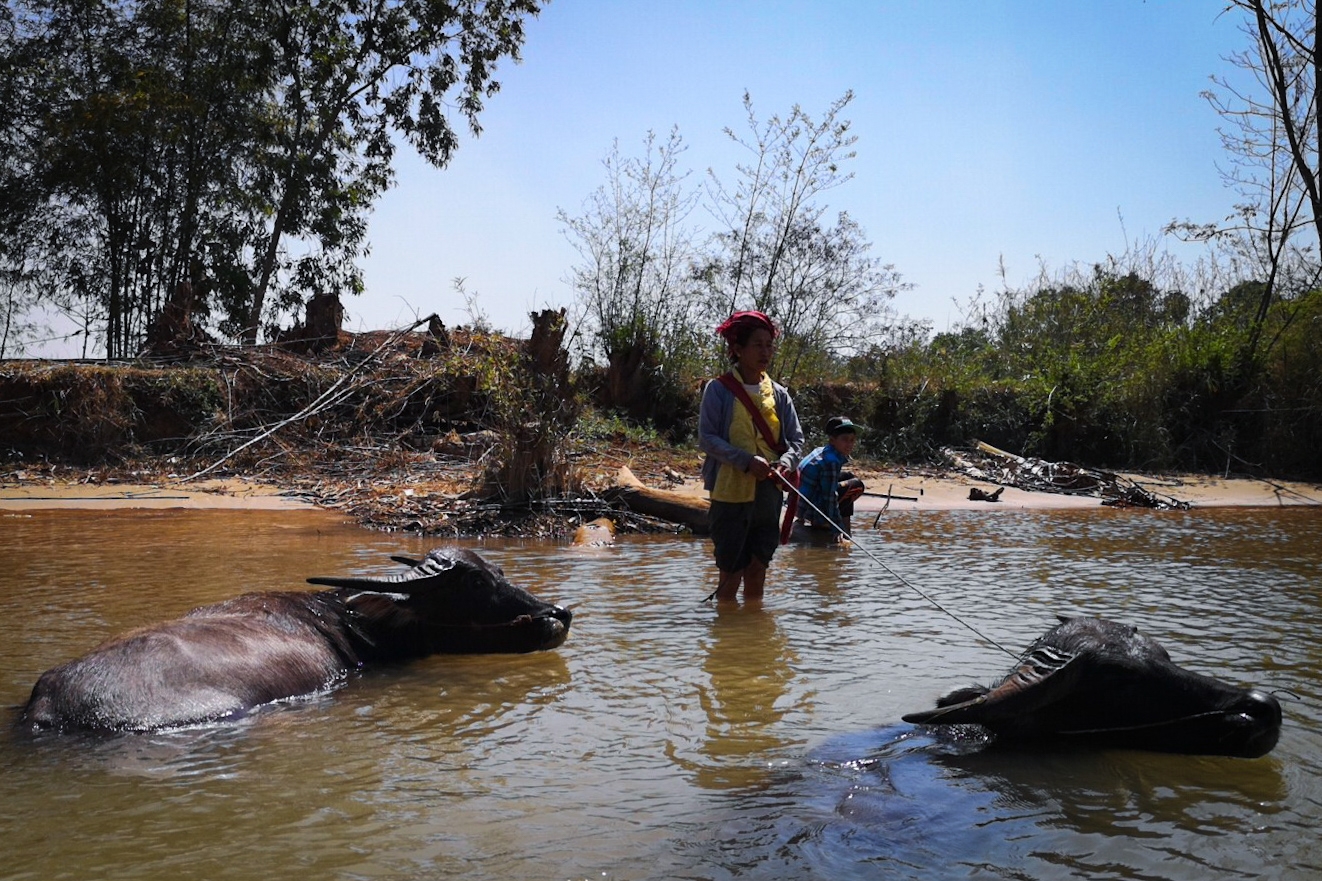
(775, 250)
(794, 160)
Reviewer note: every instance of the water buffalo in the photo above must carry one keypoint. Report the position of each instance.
(221, 660)
(1096, 683)
(600, 533)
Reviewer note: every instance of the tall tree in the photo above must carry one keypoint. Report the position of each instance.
(1274, 143)
(156, 141)
(634, 279)
(775, 250)
(832, 295)
(350, 73)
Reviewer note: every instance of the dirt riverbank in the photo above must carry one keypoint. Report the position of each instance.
(397, 433)
(427, 501)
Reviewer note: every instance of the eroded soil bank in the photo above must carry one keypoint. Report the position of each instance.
(400, 436)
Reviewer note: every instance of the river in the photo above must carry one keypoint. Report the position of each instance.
(666, 738)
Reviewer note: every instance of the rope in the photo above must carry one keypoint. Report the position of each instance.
(897, 576)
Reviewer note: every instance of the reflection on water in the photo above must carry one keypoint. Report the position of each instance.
(748, 666)
(667, 738)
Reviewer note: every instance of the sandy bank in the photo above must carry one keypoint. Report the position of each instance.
(909, 491)
(950, 491)
(234, 493)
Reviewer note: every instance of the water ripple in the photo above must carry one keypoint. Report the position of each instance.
(667, 737)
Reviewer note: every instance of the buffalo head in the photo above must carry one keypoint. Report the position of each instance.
(222, 660)
(452, 601)
(1097, 683)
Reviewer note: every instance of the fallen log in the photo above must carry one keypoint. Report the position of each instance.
(683, 508)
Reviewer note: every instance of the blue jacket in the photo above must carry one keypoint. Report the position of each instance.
(819, 479)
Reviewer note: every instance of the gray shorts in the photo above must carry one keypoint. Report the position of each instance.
(742, 531)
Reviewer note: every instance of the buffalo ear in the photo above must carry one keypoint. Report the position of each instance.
(962, 695)
(963, 712)
(380, 608)
(1043, 676)
(957, 699)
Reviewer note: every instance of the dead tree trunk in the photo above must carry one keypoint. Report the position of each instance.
(532, 458)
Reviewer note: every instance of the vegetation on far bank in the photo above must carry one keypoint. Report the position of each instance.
(1113, 373)
(189, 181)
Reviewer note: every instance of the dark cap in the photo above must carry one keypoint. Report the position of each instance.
(840, 424)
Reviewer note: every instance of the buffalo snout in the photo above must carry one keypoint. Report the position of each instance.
(1254, 725)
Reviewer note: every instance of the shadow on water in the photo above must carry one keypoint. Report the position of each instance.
(903, 802)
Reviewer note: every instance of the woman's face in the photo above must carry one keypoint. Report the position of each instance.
(754, 356)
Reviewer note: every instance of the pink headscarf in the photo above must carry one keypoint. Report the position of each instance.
(733, 326)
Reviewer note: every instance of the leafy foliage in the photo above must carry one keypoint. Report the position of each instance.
(1109, 370)
(651, 286)
(236, 147)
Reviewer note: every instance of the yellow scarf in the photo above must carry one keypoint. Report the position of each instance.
(733, 485)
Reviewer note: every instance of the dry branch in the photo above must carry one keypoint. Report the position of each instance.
(325, 400)
(1038, 475)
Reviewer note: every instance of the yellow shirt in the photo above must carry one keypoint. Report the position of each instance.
(733, 485)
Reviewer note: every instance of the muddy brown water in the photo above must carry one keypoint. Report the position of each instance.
(666, 739)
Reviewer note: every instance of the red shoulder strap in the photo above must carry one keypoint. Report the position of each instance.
(741, 394)
(737, 389)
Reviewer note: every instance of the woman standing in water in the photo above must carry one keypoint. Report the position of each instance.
(750, 431)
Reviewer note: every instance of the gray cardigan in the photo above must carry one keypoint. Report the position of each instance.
(714, 418)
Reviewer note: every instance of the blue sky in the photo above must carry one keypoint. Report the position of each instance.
(988, 130)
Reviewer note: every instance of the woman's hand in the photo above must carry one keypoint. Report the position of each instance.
(759, 468)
